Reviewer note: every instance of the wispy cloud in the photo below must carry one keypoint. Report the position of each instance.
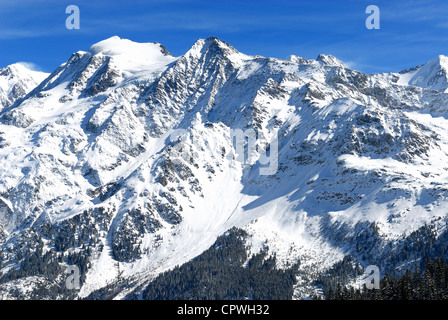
(44, 18)
(429, 11)
(30, 65)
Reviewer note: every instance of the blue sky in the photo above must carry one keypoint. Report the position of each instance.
(411, 33)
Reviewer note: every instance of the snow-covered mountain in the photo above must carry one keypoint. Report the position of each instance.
(124, 162)
(16, 81)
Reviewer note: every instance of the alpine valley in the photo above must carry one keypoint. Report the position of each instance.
(91, 176)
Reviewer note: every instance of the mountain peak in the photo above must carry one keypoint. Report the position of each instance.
(214, 41)
(19, 68)
(12, 69)
(330, 61)
(300, 60)
(432, 75)
(442, 58)
(19, 73)
(16, 81)
(133, 56)
(115, 45)
(212, 44)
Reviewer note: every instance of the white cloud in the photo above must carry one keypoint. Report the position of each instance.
(30, 65)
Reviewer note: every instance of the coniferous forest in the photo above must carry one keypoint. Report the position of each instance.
(429, 283)
(225, 272)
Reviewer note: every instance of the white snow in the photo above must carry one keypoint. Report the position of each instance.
(432, 74)
(133, 57)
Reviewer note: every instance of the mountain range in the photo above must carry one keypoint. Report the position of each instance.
(129, 162)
